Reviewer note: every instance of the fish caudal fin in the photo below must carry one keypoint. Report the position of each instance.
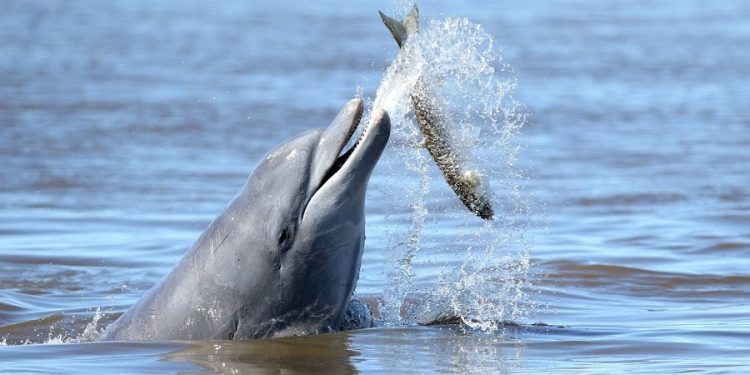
(401, 30)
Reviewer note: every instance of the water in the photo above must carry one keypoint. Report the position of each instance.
(126, 127)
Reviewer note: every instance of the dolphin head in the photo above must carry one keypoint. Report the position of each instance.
(302, 215)
(283, 258)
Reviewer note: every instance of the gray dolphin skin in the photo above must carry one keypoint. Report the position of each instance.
(284, 257)
(468, 185)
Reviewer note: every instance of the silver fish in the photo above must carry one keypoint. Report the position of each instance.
(468, 185)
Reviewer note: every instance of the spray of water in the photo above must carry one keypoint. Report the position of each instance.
(458, 60)
(65, 332)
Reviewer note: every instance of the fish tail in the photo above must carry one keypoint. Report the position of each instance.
(401, 30)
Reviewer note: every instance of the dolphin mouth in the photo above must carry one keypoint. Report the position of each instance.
(344, 155)
(342, 171)
(356, 162)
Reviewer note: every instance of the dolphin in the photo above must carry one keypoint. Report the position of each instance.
(468, 185)
(283, 258)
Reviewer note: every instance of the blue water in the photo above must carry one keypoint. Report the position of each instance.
(126, 127)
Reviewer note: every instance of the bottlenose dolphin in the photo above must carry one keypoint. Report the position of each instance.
(283, 258)
(468, 185)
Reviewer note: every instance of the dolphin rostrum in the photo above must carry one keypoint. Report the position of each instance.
(468, 185)
(283, 258)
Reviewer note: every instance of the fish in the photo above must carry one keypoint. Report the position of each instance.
(468, 185)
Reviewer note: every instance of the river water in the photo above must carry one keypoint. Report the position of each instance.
(622, 236)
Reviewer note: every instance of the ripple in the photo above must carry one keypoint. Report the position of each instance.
(632, 199)
(734, 247)
(624, 280)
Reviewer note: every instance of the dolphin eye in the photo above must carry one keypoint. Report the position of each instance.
(284, 236)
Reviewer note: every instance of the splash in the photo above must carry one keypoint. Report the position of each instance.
(64, 330)
(458, 60)
(91, 331)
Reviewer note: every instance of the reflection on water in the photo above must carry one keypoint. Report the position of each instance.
(394, 350)
(325, 354)
(126, 127)
(119, 357)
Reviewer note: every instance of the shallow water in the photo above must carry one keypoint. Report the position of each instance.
(125, 128)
